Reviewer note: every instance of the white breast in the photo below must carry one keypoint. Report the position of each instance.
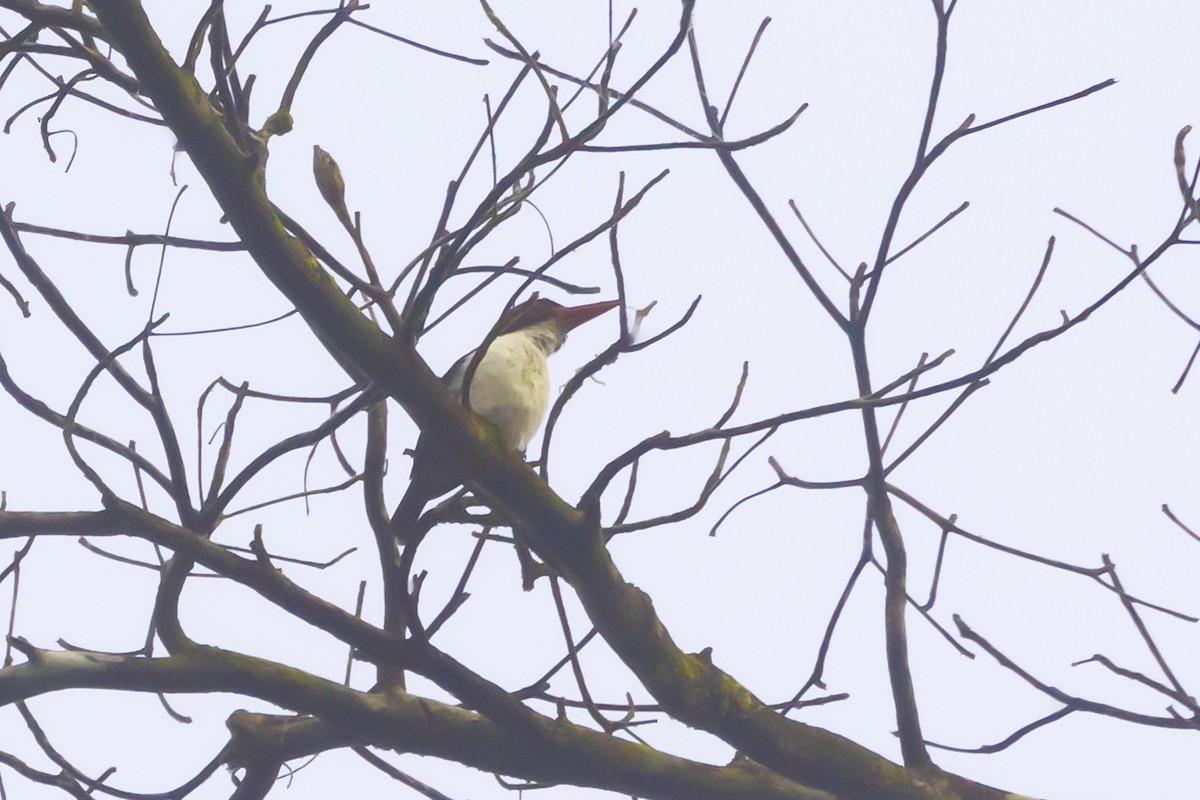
(511, 386)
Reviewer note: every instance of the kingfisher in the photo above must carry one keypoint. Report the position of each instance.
(510, 388)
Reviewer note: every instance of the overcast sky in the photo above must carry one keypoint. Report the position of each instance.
(1070, 452)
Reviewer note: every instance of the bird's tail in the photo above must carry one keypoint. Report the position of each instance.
(407, 517)
(432, 475)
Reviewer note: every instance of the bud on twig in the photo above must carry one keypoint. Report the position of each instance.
(331, 184)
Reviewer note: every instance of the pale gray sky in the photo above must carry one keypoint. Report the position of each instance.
(1069, 453)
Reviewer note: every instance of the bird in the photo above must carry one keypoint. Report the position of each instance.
(510, 387)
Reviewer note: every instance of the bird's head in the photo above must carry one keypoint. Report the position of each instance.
(538, 310)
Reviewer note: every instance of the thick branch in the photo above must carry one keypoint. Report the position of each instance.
(403, 722)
